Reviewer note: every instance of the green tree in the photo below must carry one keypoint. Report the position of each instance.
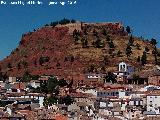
(9, 65)
(119, 53)
(64, 21)
(67, 100)
(111, 44)
(52, 84)
(62, 83)
(154, 43)
(104, 32)
(146, 49)
(50, 101)
(131, 41)
(73, 21)
(19, 65)
(95, 33)
(43, 60)
(105, 60)
(128, 29)
(25, 64)
(98, 43)
(53, 24)
(138, 46)
(108, 38)
(128, 51)
(91, 68)
(138, 59)
(84, 42)
(35, 62)
(26, 77)
(144, 58)
(110, 77)
(103, 69)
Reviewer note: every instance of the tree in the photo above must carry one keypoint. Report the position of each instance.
(76, 38)
(73, 21)
(19, 66)
(110, 77)
(35, 62)
(64, 21)
(91, 68)
(95, 33)
(62, 83)
(138, 46)
(108, 38)
(154, 43)
(25, 64)
(103, 69)
(111, 44)
(43, 60)
(26, 77)
(3, 76)
(98, 43)
(144, 58)
(9, 65)
(84, 42)
(50, 101)
(138, 59)
(72, 58)
(53, 24)
(146, 49)
(35, 77)
(52, 84)
(119, 53)
(131, 41)
(105, 60)
(128, 51)
(128, 29)
(58, 65)
(67, 100)
(104, 32)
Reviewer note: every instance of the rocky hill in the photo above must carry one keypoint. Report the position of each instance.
(63, 51)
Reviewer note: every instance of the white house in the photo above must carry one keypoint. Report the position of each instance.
(153, 103)
(35, 83)
(12, 79)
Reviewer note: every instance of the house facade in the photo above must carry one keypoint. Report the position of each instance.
(153, 103)
(154, 80)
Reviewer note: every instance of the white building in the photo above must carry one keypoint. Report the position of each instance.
(153, 103)
(12, 79)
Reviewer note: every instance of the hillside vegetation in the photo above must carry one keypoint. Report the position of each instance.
(55, 50)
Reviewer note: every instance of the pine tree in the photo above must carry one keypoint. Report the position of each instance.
(154, 43)
(84, 42)
(131, 41)
(128, 29)
(128, 51)
(138, 59)
(144, 58)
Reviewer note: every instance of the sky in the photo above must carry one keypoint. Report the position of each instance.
(143, 16)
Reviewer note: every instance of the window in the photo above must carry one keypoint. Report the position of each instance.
(151, 105)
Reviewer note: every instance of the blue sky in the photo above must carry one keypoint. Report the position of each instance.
(143, 16)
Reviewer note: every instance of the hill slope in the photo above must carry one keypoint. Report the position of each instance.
(65, 52)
